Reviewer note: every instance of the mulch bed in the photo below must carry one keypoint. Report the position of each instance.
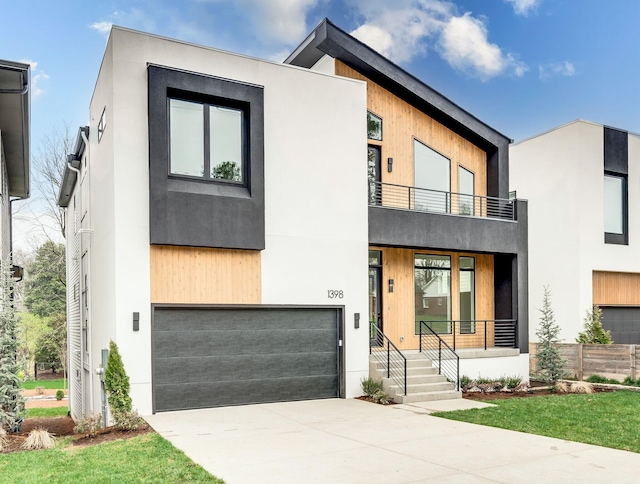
(509, 395)
(371, 400)
(63, 427)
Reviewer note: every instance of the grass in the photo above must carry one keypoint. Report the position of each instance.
(146, 458)
(47, 412)
(605, 419)
(46, 384)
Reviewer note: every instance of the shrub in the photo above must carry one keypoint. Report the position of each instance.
(59, 395)
(484, 381)
(631, 382)
(602, 379)
(88, 424)
(465, 380)
(510, 381)
(551, 366)
(3, 439)
(116, 382)
(594, 333)
(382, 397)
(39, 439)
(369, 386)
(127, 420)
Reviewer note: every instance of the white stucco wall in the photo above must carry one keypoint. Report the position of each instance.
(561, 173)
(315, 195)
(496, 367)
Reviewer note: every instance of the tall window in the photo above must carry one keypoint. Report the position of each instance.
(467, 295)
(432, 281)
(614, 204)
(206, 140)
(465, 188)
(433, 173)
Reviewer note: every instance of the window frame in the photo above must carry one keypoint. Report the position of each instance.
(449, 304)
(207, 102)
(611, 237)
(369, 113)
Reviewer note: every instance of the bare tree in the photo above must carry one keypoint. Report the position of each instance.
(49, 163)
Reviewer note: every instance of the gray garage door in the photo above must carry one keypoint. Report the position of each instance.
(217, 357)
(624, 324)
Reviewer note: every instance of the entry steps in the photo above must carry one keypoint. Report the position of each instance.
(424, 384)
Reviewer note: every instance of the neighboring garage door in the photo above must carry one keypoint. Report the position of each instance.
(213, 357)
(623, 322)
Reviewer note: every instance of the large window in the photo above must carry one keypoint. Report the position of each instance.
(433, 173)
(206, 140)
(433, 292)
(614, 202)
(466, 190)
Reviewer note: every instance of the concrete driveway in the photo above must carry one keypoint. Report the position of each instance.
(350, 441)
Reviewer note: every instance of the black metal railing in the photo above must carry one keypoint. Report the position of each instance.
(504, 331)
(394, 363)
(440, 354)
(436, 201)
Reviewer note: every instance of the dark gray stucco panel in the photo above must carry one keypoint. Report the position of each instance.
(203, 213)
(616, 151)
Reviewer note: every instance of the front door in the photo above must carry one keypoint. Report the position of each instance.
(375, 293)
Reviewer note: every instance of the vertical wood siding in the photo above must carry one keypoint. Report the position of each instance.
(193, 275)
(616, 288)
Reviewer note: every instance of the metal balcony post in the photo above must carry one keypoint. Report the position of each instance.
(388, 360)
(485, 334)
(439, 357)
(453, 331)
(405, 376)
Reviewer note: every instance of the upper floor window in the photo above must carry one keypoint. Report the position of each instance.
(206, 140)
(432, 174)
(374, 127)
(615, 209)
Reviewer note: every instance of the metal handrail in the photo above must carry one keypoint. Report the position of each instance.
(505, 331)
(448, 360)
(438, 201)
(385, 352)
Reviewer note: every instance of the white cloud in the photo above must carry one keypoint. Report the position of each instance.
(37, 78)
(565, 69)
(524, 7)
(464, 45)
(103, 27)
(408, 28)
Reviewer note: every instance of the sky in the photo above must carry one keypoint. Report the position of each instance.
(521, 66)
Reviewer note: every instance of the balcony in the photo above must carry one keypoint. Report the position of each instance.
(416, 199)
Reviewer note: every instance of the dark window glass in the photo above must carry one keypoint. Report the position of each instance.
(374, 127)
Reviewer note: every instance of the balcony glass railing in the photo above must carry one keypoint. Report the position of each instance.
(435, 201)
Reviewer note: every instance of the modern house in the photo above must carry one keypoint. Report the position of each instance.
(233, 227)
(582, 180)
(14, 146)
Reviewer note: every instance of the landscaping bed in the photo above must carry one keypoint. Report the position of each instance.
(63, 427)
(533, 392)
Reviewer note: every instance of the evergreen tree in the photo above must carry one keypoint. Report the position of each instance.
(551, 366)
(594, 333)
(11, 400)
(116, 383)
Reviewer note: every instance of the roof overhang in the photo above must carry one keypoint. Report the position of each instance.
(328, 39)
(70, 175)
(15, 124)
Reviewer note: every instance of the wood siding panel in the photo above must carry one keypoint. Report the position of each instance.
(194, 275)
(401, 123)
(616, 288)
(398, 307)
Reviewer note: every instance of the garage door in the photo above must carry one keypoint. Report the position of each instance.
(623, 322)
(212, 357)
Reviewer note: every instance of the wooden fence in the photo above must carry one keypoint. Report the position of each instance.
(610, 361)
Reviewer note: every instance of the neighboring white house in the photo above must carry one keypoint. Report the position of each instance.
(582, 181)
(14, 145)
(225, 229)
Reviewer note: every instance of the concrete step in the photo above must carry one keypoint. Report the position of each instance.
(426, 378)
(428, 396)
(411, 363)
(410, 371)
(422, 388)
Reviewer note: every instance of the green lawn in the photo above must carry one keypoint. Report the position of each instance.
(147, 458)
(47, 412)
(606, 419)
(46, 384)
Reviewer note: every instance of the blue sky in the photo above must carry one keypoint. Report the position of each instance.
(521, 66)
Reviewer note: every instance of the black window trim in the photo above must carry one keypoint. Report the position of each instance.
(381, 127)
(208, 101)
(623, 238)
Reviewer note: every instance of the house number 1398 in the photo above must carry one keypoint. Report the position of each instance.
(335, 293)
